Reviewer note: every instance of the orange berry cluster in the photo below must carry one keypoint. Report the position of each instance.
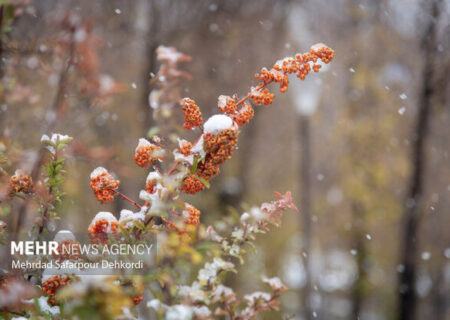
(192, 115)
(147, 154)
(52, 285)
(103, 186)
(21, 182)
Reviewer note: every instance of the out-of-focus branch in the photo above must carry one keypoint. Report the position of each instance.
(50, 125)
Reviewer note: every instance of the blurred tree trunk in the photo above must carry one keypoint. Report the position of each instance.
(2, 8)
(358, 290)
(148, 25)
(407, 300)
(305, 177)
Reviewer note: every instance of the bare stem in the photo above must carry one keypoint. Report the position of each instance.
(128, 199)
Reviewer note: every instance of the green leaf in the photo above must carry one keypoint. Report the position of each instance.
(194, 165)
(152, 131)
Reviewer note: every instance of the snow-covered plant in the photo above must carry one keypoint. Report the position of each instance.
(192, 261)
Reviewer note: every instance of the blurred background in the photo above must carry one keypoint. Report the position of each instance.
(363, 145)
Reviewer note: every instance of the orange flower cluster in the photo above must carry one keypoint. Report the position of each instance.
(103, 184)
(21, 182)
(208, 169)
(192, 185)
(220, 139)
(147, 153)
(244, 115)
(220, 147)
(227, 104)
(300, 65)
(150, 186)
(185, 148)
(192, 215)
(135, 298)
(104, 223)
(152, 182)
(101, 226)
(192, 115)
(52, 285)
(261, 97)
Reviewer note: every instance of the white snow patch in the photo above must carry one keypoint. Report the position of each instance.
(153, 98)
(106, 84)
(64, 235)
(218, 123)
(56, 137)
(154, 175)
(223, 100)
(128, 217)
(275, 283)
(198, 147)
(169, 54)
(98, 171)
(143, 143)
(257, 296)
(182, 158)
(46, 308)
